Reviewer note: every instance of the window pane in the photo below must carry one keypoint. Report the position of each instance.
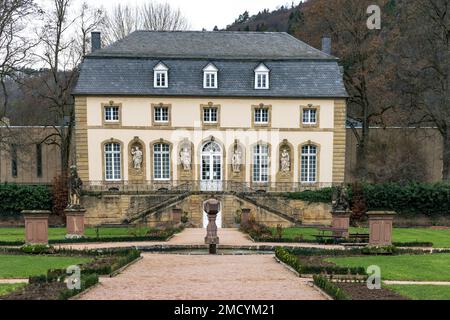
(113, 161)
(261, 163)
(161, 161)
(309, 164)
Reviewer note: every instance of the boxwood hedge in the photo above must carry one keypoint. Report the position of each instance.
(16, 197)
(414, 198)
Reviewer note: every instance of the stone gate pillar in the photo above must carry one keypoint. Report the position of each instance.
(380, 226)
(75, 222)
(36, 226)
(341, 220)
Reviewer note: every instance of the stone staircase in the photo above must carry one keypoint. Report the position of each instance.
(143, 207)
(274, 204)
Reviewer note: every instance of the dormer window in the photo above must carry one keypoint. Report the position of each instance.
(160, 76)
(210, 77)
(262, 77)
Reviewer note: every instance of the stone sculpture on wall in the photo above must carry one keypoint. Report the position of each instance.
(137, 155)
(185, 158)
(75, 185)
(236, 160)
(285, 161)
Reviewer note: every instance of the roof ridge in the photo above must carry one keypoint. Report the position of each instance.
(209, 31)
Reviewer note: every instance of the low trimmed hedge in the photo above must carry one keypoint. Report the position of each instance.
(330, 288)
(413, 198)
(292, 260)
(16, 197)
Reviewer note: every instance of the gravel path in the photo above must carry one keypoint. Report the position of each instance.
(229, 237)
(180, 277)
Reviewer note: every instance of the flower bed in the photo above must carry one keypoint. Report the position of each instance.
(51, 286)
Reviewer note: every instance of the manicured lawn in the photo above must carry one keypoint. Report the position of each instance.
(439, 238)
(8, 288)
(24, 266)
(18, 234)
(429, 267)
(422, 292)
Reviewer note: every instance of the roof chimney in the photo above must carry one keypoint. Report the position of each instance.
(96, 41)
(326, 45)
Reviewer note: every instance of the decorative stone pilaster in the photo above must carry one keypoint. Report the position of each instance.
(341, 220)
(36, 226)
(245, 217)
(176, 216)
(75, 222)
(212, 208)
(380, 227)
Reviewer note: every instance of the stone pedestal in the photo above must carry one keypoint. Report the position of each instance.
(36, 226)
(212, 208)
(341, 220)
(245, 217)
(176, 215)
(75, 222)
(380, 226)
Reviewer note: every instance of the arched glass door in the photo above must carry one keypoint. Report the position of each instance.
(211, 167)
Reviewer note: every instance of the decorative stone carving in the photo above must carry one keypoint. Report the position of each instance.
(136, 160)
(185, 158)
(75, 185)
(236, 160)
(340, 202)
(285, 161)
(138, 157)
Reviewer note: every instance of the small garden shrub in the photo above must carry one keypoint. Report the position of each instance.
(313, 196)
(16, 198)
(87, 281)
(292, 260)
(330, 288)
(37, 249)
(413, 244)
(379, 250)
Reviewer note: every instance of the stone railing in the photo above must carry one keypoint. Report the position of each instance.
(199, 186)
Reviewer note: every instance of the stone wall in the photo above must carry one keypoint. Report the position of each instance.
(114, 209)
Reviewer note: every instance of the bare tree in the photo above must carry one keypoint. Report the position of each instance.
(61, 59)
(14, 49)
(124, 19)
(424, 76)
(162, 17)
(89, 20)
(361, 52)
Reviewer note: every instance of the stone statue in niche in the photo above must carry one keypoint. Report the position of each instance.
(285, 161)
(185, 158)
(236, 160)
(137, 154)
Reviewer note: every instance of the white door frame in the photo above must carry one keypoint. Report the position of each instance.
(214, 158)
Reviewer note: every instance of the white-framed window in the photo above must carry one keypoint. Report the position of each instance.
(210, 115)
(161, 76)
(210, 77)
(161, 161)
(112, 114)
(113, 162)
(261, 116)
(309, 116)
(261, 163)
(262, 77)
(161, 114)
(308, 164)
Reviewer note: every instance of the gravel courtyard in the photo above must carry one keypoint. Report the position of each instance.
(204, 277)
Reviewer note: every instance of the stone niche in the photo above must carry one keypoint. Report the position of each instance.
(136, 161)
(185, 163)
(236, 162)
(285, 172)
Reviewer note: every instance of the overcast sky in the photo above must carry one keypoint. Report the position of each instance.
(203, 13)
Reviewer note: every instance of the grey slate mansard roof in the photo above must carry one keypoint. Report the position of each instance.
(126, 67)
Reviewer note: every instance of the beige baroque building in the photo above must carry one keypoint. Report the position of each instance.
(210, 112)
